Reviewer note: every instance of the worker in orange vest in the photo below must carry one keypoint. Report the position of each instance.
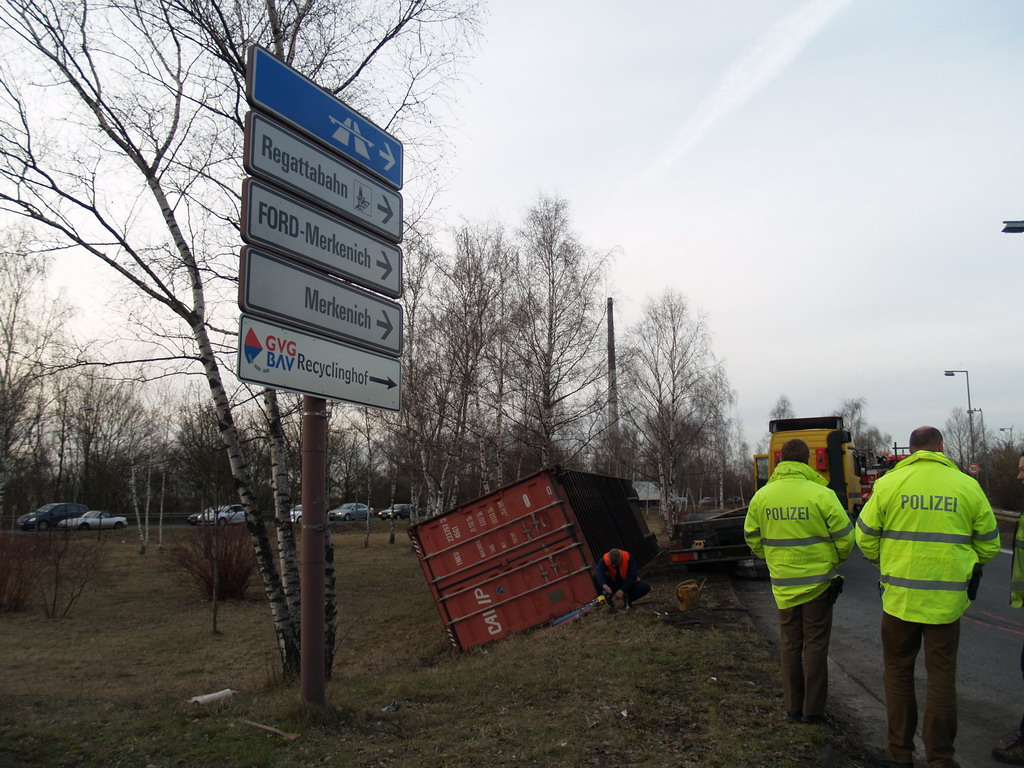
(616, 578)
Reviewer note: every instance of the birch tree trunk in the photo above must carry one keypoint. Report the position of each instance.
(146, 180)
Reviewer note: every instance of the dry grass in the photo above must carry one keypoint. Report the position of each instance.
(107, 685)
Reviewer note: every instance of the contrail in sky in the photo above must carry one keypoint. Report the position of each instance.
(782, 42)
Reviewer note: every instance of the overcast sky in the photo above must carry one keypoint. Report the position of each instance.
(826, 180)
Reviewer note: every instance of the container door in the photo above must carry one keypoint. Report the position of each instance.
(508, 561)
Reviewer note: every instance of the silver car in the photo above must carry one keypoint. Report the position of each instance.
(350, 511)
(94, 518)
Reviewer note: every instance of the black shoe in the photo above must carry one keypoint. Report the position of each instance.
(1012, 753)
(794, 717)
(879, 756)
(814, 719)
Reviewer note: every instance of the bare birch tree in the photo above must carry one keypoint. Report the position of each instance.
(120, 129)
(866, 436)
(556, 363)
(31, 325)
(956, 437)
(676, 394)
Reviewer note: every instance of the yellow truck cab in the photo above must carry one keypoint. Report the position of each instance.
(833, 454)
(717, 539)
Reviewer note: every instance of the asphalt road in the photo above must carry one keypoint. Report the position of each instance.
(989, 687)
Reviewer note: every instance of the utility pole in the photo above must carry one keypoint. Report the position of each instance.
(613, 393)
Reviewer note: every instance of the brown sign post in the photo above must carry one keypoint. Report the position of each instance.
(303, 226)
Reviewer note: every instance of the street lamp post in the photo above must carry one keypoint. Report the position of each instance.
(984, 449)
(970, 411)
(1010, 430)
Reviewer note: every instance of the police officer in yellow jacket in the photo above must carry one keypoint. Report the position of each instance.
(926, 526)
(1013, 753)
(796, 523)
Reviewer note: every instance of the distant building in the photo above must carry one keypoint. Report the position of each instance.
(647, 493)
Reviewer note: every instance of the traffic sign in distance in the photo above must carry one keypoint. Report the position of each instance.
(277, 356)
(273, 86)
(277, 220)
(282, 156)
(278, 289)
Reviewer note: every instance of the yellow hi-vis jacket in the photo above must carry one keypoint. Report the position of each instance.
(1017, 569)
(796, 523)
(925, 526)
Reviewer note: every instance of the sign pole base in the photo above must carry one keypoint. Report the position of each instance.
(312, 677)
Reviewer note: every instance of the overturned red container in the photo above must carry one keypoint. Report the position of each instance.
(523, 555)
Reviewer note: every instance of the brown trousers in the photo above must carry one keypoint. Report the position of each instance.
(804, 632)
(901, 642)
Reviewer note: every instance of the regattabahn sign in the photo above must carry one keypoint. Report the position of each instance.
(277, 154)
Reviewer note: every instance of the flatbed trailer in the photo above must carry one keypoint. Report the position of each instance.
(716, 538)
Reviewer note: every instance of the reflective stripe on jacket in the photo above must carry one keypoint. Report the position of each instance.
(925, 526)
(1017, 570)
(796, 523)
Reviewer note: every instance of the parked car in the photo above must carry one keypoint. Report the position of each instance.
(734, 501)
(396, 511)
(94, 518)
(296, 514)
(233, 514)
(230, 514)
(706, 501)
(350, 511)
(49, 515)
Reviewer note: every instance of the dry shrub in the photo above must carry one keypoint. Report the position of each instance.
(216, 554)
(17, 563)
(63, 566)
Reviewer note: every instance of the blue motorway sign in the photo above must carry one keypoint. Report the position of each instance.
(274, 87)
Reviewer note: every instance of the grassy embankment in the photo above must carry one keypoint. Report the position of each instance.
(107, 685)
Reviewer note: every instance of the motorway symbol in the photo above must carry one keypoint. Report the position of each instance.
(273, 86)
(277, 289)
(277, 356)
(280, 155)
(276, 220)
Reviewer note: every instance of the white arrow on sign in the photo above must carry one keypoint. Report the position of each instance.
(276, 220)
(283, 358)
(274, 87)
(278, 154)
(278, 289)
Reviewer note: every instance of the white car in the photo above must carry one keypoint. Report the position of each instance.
(94, 519)
(231, 514)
